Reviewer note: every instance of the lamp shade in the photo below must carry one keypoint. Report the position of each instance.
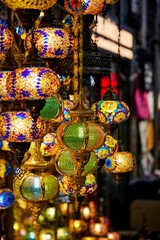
(120, 162)
(6, 198)
(6, 39)
(80, 135)
(29, 4)
(111, 1)
(32, 83)
(111, 112)
(51, 42)
(108, 148)
(4, 96)
(17, 126)
(36, 187)
(93, 7)
(67, 164)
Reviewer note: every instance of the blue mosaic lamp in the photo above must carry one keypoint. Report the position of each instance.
(6, 198)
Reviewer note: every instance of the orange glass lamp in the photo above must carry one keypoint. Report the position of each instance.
(119, 163)
(85, 212)
(111, 1)
(51, 42)
(77, 226)
(29, 4)
(32, 83)
(93, 7)
(98, 228)
(4, 96)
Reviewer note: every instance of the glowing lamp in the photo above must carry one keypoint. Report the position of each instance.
(17, 126)
(120, 162)
(32, 83)
(111, 112)
(108, 148)
(93, 7)
(85, 212)
(67, 164)
(29, 4)
(77, 226)
(63, 233)
(80, 135)
(47, 234)
(98, 228)
(51, 42)
(6, 198)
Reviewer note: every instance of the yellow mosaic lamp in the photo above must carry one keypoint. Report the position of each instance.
(119, 163)
(29, 4)
(51, 42)
(93, 7)
(32, 83)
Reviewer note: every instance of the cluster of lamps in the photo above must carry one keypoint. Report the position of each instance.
(38, 123)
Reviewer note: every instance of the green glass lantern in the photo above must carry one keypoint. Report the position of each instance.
(67, 164)
(52, 108)
(80, 136)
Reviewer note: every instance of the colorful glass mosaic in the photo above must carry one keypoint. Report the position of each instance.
(108, 148)
(29, 4)
(88, 187)
(6, 198)
(49, 145)
(17, 126)
(93, 7)
(120, 162)
(111, 112)
(32, 83)
(51, 42)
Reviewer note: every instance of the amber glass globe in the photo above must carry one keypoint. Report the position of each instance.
(120, 162)
(51, 42)
(32, 83)
(29, 4)
(80, 136)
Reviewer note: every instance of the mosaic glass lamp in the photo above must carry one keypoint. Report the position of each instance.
(111, 111)
(108, 148)
(119, 163)
(93, 7)
(49, 145)
(32, 83)
(51, 42)
(6, 41)
(29, 4)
